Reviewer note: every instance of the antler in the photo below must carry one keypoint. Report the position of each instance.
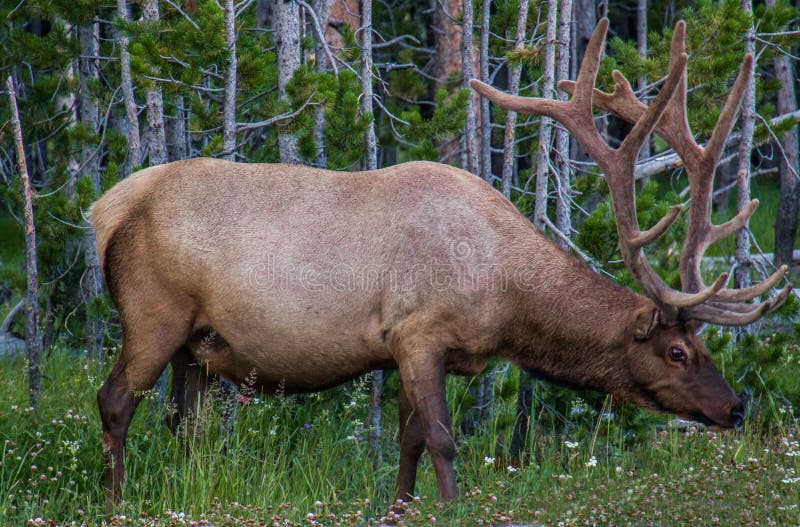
(724, 306)
(618, 165)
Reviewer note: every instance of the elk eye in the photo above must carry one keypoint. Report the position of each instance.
(677, 354)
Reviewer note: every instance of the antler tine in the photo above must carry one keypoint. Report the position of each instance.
(724, 124)
(645, 124)
(749, 293)
(700, 164)
(576, 113)
(587, 75)
(726, 314)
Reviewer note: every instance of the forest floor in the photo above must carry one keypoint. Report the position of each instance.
(303, 462)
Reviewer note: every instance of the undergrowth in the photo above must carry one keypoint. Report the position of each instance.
(304, 460)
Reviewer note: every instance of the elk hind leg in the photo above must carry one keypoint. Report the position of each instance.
(146, 350)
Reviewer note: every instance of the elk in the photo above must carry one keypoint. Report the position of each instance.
(301, 279)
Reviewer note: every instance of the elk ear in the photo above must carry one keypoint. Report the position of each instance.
(645, 322)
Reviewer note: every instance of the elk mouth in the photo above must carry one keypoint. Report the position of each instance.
(704, 419)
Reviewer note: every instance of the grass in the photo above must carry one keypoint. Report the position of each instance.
(303, 461)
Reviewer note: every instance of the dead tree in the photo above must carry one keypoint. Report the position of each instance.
(156, 135)
(563, 181)
(131, 109)
(92, 279)
(742, 273)
(546, 126)
(511, 117)
(370, 163)
(789, 203)
(229, 103)
(486, 116)
(287, 37)
(467, 59)
(33, 342)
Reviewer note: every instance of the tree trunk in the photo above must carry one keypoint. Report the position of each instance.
(131, 109)
(486, 116)
(176, 131)
(546, 126)
(33, 344)
(742, 251)
(92, 280)
(467, 58)
(641, 47)
(511, 117)
(371, 156)
(585, 16)
(448, 40)
(156, 136)
(789, 204)
(564, 195)
(229, 105)
(287, 36)
(370, 163)
(323, 10)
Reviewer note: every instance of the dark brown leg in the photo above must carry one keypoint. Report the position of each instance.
(423, 373)
(190, 381)
(412, 443)
(146, 350)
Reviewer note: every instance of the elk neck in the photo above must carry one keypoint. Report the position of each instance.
(572, 326)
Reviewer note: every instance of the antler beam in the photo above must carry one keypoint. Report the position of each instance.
(666, 115)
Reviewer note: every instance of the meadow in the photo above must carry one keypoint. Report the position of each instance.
(292, 461)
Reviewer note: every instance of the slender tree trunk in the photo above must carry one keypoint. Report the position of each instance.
(467, 60)
(371, 157)
(287, 36)
(323, 10)
(370, 163)
(33, 343)
(564, 195)
(131, 109)
(156, 136)
(92, 279)
(176, 131)
(641, 47)
(448, 40)
(789, 204)
(525, 390)
(229, 105)
(486, 116)
(742, 251)
(585, 22)
(511, 117)
(546, 126)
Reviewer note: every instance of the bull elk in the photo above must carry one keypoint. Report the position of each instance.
(301, 279)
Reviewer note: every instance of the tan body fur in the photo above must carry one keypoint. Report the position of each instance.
(298, 279)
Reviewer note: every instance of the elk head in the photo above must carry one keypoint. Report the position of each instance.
(667, 368)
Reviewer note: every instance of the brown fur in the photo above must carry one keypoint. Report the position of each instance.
(301, 279)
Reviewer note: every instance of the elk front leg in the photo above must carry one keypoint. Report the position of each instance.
(422, 371)
(412, 443)
(190, 383)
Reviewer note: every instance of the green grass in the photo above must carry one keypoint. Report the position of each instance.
(300, 461)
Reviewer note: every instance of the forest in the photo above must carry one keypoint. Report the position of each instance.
(95, 91)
